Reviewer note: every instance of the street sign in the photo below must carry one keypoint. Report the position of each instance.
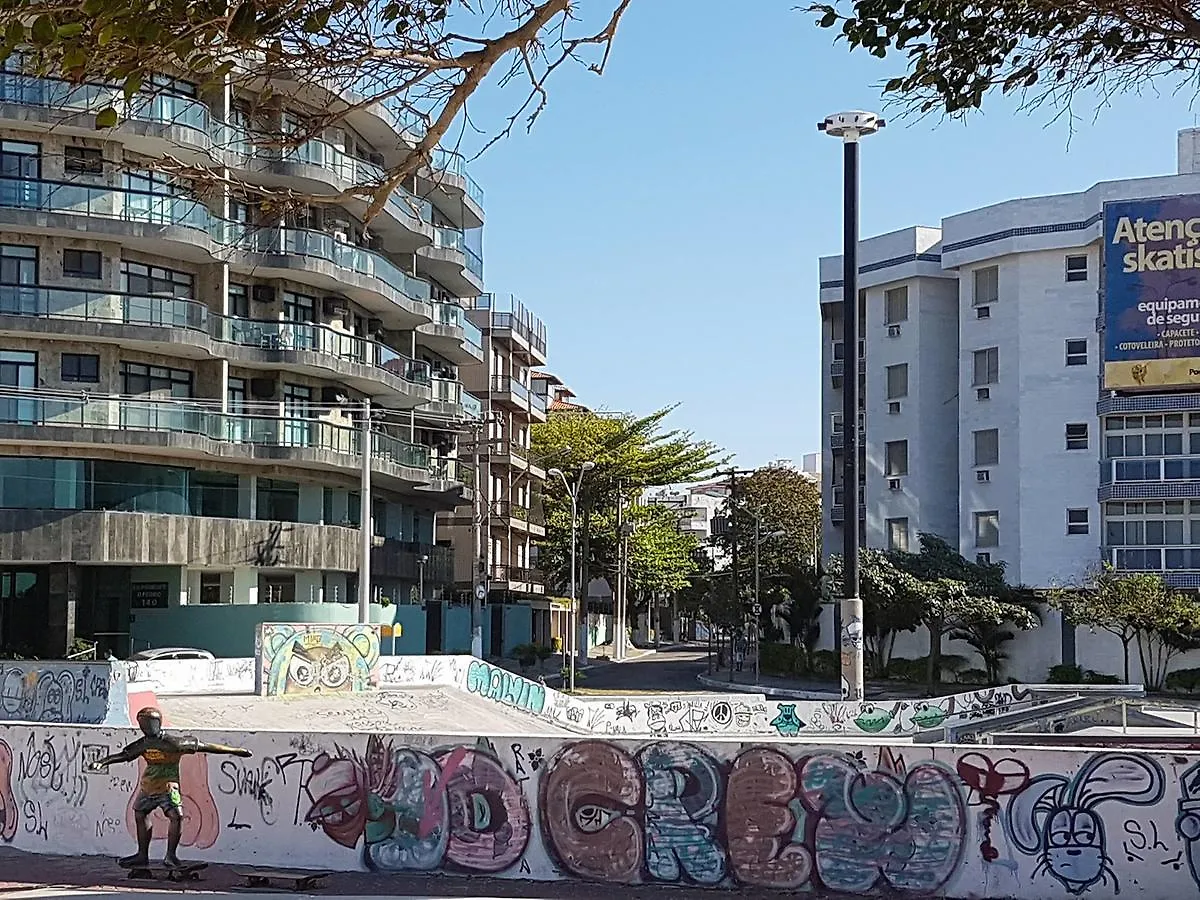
(480, 593)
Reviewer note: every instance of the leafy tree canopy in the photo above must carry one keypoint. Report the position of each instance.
(958, 51)
(788, 505)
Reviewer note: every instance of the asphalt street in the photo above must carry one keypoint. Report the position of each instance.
(667, 670)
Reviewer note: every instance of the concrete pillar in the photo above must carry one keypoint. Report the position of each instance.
(245, 585)
(62, 594)
(248, 497)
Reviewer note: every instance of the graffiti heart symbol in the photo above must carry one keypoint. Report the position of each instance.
(991, 779)
(8, 803)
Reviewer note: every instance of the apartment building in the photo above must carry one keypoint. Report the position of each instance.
(509, 484)
(183, 373)
(1018, 401)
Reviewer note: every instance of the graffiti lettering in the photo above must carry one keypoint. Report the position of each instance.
(255, 783)
(36, 692)
(505, 687)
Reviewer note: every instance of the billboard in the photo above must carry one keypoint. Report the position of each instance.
(1152, 293)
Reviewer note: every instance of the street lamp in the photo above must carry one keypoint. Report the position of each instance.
(850, 127)
(421, 561)
(573, 493)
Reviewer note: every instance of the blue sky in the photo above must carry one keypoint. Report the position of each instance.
(665, 220)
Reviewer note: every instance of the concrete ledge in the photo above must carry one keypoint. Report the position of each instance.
(762, 690)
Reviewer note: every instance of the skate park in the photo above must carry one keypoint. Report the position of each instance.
(401, 764)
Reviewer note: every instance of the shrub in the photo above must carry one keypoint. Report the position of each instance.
(916, 670)
(525, 654)
(1184, 680)
(971, 676)
(782, 659)
(543, 652)
(1065, 674)
(1090, 677)
(826, 664)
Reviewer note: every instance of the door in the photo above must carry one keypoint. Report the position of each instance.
(433, 627)
(18, 369)
(20, 174)
(18, 284)
(496, 644)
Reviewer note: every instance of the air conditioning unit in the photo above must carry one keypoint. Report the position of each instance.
(983, 558)
(264, 293)
(262, 388)
(894, 408)
(893, 331)
(983, 475)
(893, 484)
(983, 312)
(983, 393)
(837, 382)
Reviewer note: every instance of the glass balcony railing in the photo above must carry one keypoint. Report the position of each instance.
(104, 202)
(448, 239)
(455, 316)
(184, 417)
(456, 164)
(446, 391)
(319, 245)
(53, 93)
(537, 402)
(474, 263)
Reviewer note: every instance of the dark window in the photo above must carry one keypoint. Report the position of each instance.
(213, 494)
(1077, 436)
(83, 160)
(1077, 352)
(210, 587)
(1077, 268)
(138, 278)
(1077, 521)
(278, 501)
(81, 367)
(81, 263)
(138, 488)
(138, 379)
(18, 264)
(276, 588)
(239, 301)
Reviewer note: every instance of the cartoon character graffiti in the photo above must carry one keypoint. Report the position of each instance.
(989, 780)
(414, 810)
(786, 722)
(8, 803)
(1187, 825)
(317, 658)
(1054, 818)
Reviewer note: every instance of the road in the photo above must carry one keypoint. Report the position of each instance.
(666, 670)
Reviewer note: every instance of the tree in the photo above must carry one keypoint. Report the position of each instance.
(1139, 610)
(1048, 50)
(423, 59)
(630, 453)
(892, 602)
(788, 504)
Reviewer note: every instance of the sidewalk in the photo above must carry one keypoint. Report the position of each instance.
(20, 871)
(800, 688)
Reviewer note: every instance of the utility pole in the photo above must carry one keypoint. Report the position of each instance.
(737, 583)
(479, 587)
(618, 595)
(366, 536)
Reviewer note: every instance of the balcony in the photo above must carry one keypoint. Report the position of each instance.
(401, 559)
(317, 349)
(518, 517)
(472, 407)
(449, 262)
(510, 321)
(838, 367)
(197, 429)
(453, 335)
(450, 173)
(519, 579)
(446, 399)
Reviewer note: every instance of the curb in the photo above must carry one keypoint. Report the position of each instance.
(710, 681)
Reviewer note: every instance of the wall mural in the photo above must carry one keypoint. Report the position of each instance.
(59, 692)
(315, 659)
(928, 820)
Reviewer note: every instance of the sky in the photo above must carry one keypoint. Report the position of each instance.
(665, 220)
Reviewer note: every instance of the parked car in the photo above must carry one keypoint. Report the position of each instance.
(171, 653)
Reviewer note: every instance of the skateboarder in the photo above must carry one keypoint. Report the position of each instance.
(159, 788)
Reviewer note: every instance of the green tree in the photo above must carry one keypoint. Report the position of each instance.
(788, 505)
(892, 602)
(1139, 609)
(1047, 50)
(423, 58)
(630, 454)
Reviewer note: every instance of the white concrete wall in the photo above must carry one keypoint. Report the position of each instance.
(949, 821)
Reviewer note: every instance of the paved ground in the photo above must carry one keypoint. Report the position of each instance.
(86, 874)
(673, 669)
(434, 710)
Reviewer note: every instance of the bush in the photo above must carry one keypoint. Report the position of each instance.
(782, 659)
(544, 653)
(1065, 674)
(916, 670)
(1090, 677)
(1184, 680)
(971, 676)
(826, 664)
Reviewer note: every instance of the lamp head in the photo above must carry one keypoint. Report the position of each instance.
(850, 126)
(557, 472)
(588, 466)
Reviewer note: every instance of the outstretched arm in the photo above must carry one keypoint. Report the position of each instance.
(195, 746)
(128, 754)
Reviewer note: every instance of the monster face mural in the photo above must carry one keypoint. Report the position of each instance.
(316, 659)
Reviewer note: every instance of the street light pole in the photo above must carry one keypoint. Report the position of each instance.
(366, 534)
(421, 561)
(573, 493)
(850, 127)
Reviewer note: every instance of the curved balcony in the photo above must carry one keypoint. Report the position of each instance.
(187, 328)
(452, 263)
(445, 399)
(336, 266)
(150, 123)
(449, 174)
(453, 335)
(32, 418)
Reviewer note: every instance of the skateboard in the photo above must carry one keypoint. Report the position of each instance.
(297, 880)
(185, 872)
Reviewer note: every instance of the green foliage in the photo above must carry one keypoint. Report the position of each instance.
(958, 52)
(826, 664)
(661, 557)
(916, 671)
(784, 660)
(1187, 680)
(1141, 611)
(788, 504)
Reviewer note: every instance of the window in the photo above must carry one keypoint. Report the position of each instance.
(277, 500)
(83, 160)
(987, 286)
(81, 263)
(839, 349)
(897, 530)
(276, 588)
(1077, 521)
(18, 368)
(895, 306)
(1077, 352)
(138, 379)
(987, 447)
(987, 366)
(1077, 436)
(897, 457)
(299, 307)
(81, 367)
(987, 528)
(210, 587)
(897, 381)
(18, 275)
(239, 301)
(138, 278)
(1077, 268)
(1156, 435)
(213, 494)
(135, 487)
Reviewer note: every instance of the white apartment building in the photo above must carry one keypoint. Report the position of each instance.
(986, 413)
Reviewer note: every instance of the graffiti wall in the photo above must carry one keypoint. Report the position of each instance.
(879, 821)
(194, 676)
(315, 659)
(90, 693)
(702, 714)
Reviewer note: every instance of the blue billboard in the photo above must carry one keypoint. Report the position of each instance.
(1152, 293)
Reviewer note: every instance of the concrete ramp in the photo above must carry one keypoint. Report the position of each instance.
(434, 710)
